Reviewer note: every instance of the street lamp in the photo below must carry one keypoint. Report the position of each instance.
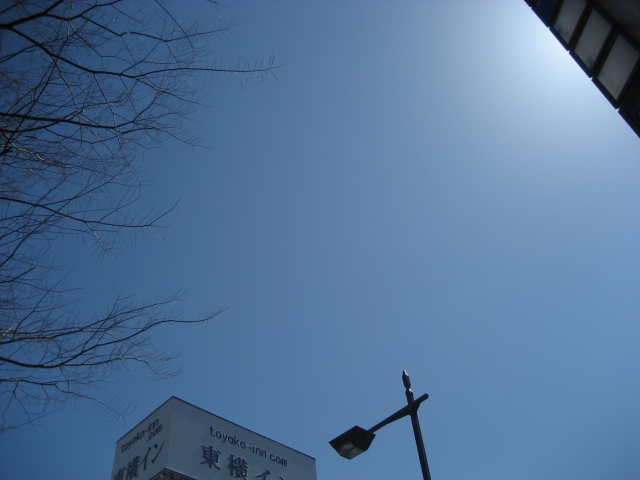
(357, 440)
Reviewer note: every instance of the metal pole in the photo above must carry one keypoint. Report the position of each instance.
(422, 454)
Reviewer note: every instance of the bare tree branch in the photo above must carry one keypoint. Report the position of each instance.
(86, 84)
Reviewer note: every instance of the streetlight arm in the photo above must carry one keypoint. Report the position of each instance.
(403, 412)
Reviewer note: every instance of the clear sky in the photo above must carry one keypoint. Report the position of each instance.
(433, 186)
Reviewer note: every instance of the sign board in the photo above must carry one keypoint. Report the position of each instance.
(182, 442)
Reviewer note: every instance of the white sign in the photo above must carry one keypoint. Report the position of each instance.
(180, 441)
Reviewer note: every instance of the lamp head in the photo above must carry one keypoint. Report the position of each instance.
(353, 442)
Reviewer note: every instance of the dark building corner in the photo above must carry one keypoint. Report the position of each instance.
(603, 37)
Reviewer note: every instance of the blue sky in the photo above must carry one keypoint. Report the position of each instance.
(429, 186)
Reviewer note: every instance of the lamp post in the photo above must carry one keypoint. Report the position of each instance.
(357, 440)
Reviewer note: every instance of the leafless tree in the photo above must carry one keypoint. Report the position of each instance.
(84, 85)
